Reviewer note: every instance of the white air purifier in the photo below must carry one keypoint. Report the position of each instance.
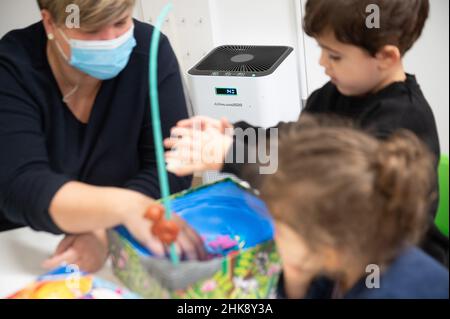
(256, 84)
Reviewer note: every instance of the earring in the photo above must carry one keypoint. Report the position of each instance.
(50, 36)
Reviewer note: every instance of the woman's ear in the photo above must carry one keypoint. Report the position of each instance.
(48, 23)
(388, 56)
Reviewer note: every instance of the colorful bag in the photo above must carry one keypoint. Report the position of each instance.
(238, 233)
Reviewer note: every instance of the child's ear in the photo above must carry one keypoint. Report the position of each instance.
(388, 56)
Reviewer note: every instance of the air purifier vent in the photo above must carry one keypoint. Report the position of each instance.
(242, 59)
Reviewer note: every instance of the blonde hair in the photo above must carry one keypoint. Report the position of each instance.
(341, 187)
(94, 14)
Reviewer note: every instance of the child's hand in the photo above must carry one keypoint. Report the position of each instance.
(89, 251)
(197, 145)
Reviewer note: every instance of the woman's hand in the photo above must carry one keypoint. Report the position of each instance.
(189, 244)
(89, 251)
(198, 144)
(108, 207)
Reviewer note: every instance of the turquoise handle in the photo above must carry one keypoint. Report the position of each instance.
(156, 122)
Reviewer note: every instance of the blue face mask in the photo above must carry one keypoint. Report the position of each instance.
(103, 59)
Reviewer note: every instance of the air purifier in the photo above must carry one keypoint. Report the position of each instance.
(256, 84)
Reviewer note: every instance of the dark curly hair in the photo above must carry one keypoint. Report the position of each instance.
(401, 22)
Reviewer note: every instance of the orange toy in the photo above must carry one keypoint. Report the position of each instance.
(166, 230)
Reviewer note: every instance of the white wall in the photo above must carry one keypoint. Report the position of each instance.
(429, 61)
(16, 14)
(188, 26)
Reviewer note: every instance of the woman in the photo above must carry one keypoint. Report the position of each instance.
(77, 153)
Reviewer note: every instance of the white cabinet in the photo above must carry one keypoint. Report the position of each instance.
(188, 27)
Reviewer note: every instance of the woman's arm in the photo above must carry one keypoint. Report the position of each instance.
(79, 208)
(33, 194)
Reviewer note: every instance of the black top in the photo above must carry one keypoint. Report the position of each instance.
(400, 105)
(43, 145)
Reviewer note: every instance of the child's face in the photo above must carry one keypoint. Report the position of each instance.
(353, 70)
(295, 254)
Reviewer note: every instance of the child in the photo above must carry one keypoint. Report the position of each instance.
(368, 85)
(349, 212)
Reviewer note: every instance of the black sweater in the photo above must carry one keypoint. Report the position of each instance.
(400, 105)
(43, 146)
